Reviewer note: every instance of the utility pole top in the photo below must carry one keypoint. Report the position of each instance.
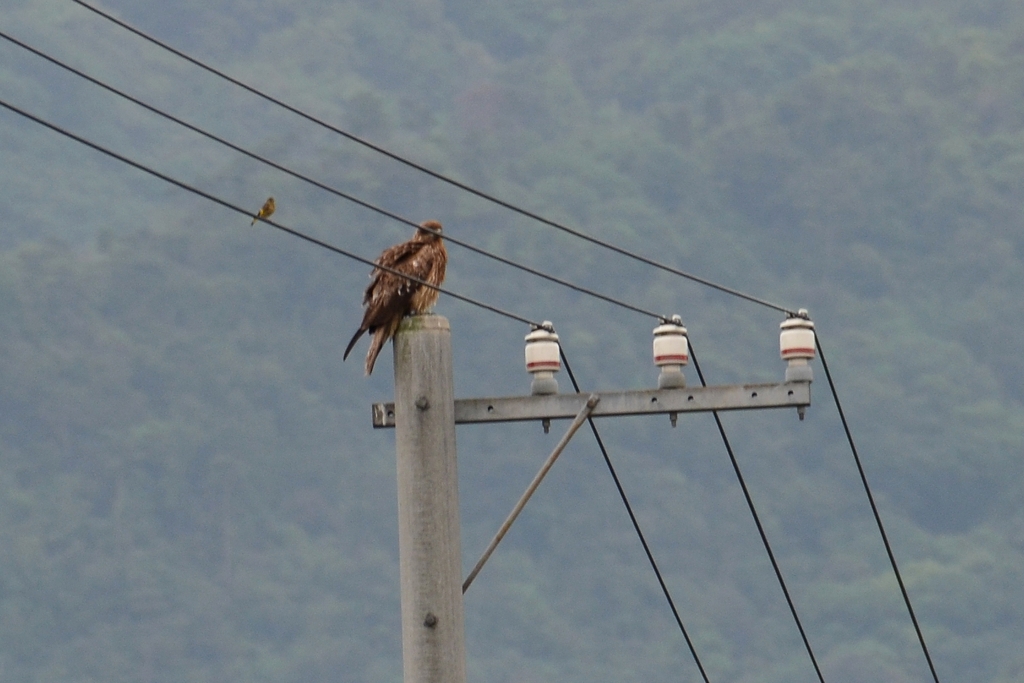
(424, 415)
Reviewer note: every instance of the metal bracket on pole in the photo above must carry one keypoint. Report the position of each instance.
(617, 403)
(584, 413)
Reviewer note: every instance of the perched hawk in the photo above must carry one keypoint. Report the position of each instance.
(391, 297)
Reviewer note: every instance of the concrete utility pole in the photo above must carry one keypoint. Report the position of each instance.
(433, 631)
(424, 415)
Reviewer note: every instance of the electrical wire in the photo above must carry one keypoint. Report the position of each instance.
(434, 174)
(636, 523)
(760, 527)
(339, 193)
(247, 213)
(875, 512)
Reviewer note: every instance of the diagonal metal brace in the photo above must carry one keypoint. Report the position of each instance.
(581, 417)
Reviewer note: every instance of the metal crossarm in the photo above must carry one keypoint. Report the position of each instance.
(617, 403)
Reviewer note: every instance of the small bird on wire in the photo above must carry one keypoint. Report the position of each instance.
(266, 211)
(391, 297)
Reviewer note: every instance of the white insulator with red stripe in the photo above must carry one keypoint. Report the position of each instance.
(543, 359)
(671, 353)
(797, 346)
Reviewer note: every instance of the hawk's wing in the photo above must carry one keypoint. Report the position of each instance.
(392, 257)
(389, 294)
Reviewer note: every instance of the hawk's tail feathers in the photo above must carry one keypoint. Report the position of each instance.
(380, 338)
(355, 338)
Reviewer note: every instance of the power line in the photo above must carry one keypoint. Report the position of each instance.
(434, 174)
(875, 512)
(760, 527)
(247, 213)
(636, 524)
(339, 193)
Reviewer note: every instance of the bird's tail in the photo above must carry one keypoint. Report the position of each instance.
(255, 218)
(380, 338)
(355, 338)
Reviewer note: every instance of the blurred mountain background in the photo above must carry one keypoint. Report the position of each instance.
(190, 487)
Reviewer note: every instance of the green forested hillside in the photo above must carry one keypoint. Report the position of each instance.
(190, 489)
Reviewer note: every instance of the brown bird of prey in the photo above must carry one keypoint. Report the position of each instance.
(390, 297)
(265, 211)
